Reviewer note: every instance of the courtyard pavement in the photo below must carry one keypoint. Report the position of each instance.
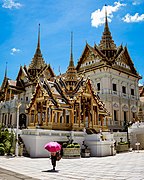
(123, 166)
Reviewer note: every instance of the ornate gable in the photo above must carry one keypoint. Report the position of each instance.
(21, 77)
(124, 62)
(48, 72)
(90, 57)
(89, 91)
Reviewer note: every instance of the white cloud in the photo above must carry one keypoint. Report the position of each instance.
(140, 84)
(98, 16)
(14, 51)
(9, 4)
(137, 2)
(136, 18)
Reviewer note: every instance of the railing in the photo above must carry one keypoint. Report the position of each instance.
(117, 93)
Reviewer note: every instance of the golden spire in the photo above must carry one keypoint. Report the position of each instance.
(71, 73)
(38, 44)
(37, 62)
(106, 20)
(71, 64)
(107, 42)
(6, 70)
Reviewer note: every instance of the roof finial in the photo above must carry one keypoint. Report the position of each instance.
(6, 70)
(38, 45)
(106, 40)
(71, 54)
(59, 70)
(38, 51)
(106, 20)
(71, 42)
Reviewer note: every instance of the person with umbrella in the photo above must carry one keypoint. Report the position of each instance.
(53, 148)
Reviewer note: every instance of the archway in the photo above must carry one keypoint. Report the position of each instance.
(22, 121)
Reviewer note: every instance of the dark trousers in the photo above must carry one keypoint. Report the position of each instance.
(53, 161)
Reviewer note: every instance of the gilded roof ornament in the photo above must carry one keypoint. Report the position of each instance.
(37, 62)
(107, 42)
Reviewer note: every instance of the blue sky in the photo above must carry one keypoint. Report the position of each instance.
(19, 21)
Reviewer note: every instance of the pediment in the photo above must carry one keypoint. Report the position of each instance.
(4, 83)
(88, 58)
(21, 74)
(124, 62)
(48, 72)
(125, 108)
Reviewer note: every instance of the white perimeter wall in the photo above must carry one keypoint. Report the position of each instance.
(35, 140)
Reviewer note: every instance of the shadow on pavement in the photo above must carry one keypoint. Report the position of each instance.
(52, 171)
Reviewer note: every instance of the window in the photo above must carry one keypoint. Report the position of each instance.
(61, 119)
(125, 116)
(132, 92)
(98, 86)
(5, 122)
(133, 115)
(115, 115)
(3, 118)
(114, 87)
(11, 119)
(75, 119)
(124, 89)
(67, 118)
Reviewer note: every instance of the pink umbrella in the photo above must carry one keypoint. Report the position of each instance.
(52, 146)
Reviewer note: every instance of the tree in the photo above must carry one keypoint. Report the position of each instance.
(7, 139)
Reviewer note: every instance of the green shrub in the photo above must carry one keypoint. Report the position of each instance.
(70, 146)
(1, 145)
(12, 150)
(7, 146)
(64, 145)
(7, 140)
(122, 143)
(77, 146)
(2, 151)
(73, 145)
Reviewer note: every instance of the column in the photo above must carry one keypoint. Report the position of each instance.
(41, 109)
(92, 112)
(79, 113)
(47, 114)
(64, 115)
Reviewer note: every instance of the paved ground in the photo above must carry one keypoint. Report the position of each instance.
(124, 166)
(9, 175)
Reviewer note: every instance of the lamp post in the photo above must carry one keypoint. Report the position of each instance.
(17, 128)
(128, 124)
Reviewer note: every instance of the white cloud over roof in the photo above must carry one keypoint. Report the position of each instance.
(135, 18)
(14, 51)
(9, 4)
(137, 2)
(98, 16)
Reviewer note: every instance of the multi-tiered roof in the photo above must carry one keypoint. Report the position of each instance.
(106, 54)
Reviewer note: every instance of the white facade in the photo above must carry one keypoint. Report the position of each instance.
(123, 101)
(8, 109)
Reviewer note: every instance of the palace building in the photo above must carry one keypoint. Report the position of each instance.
(43, 100)
(100, 93)
(113, 73)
